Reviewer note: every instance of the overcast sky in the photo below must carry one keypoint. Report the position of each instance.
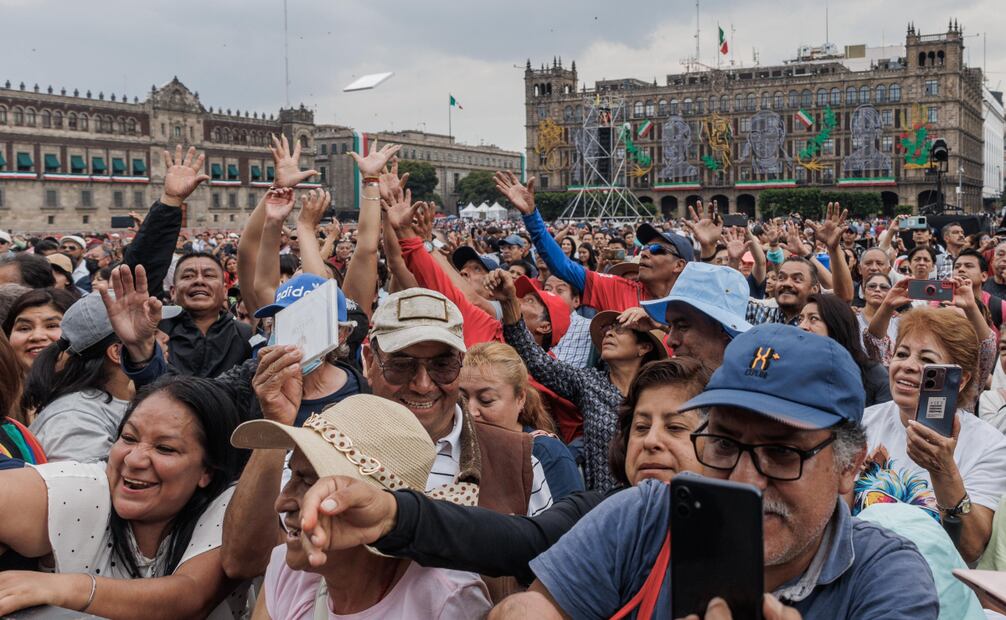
(231, 51)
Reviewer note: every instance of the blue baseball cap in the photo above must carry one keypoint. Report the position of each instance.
(466, 253)
(294, 289)
(514, 240)
(789, 375)
(646, 233)
(721, 293)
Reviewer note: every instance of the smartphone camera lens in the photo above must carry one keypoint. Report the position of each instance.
(930, 290)
(683, 494)
(684, 511)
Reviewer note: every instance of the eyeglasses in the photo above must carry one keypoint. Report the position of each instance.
(878, 287)
(658, 250)
(773, 461)
(400, 370)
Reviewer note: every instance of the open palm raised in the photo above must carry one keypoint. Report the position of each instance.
(182, 175)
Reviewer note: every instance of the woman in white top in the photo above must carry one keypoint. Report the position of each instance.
(965, 471)
(875, 289)
(137, 537)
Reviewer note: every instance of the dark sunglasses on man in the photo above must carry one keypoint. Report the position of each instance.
(400, 369)
(657, 249)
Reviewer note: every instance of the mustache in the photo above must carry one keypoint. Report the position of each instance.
(776, 507)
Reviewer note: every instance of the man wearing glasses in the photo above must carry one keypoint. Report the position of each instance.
(661, 258)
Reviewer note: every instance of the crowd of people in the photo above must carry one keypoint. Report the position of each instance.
(495, 430)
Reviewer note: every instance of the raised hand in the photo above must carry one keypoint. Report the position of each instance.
(133, 313)
(964, 296)
(707, 229)
(500, 285)
(288, 172)
(182, 175)
(400, 213)
(334, 229)
(278, 204)
(278, 383)
(898, 295)
(422, 223)
(340, 512)
(738, 242)
(795, 243)
(830, 230)
(636, 318)
(520, 196)
(312, 207)
(374, 163)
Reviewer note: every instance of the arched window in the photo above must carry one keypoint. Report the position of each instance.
(305, 144)
(3, 115)
(29, 117)
(131, 126)
(83, 122)
(71, 120)
(836, 97)
(674, 106)
(662, 107)
(864, 94)
(714, 104)
(922, 59)
(637, 109)
(724, 104)
(940, 57)
(778, 101)
(57, 119)
(850, 96)
(177, 132)
(881, 96)
(649, 108)
(698, 105)
(766, 101)
(751, 102)
(46, 119)
(822, 98)
(579, 112)
(106, 124)
(567, 113)
(687, 106)
(932, 59)
(794, 99)
(18, 116)
(894, 94)
(806, 98)
(535, 90)
(738, 102)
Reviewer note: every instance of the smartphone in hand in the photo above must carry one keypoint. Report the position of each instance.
(938, 397)
(735, 220)
(931, 290)
(716, 546)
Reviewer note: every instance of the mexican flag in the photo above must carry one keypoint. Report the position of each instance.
(455, 104)
(644, 128)
(804, 117)
(723, 41)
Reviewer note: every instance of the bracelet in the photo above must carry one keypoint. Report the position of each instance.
(375, 180)
(706, 259)
(371, 198)
(90, 599)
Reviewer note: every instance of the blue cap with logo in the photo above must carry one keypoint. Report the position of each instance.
(293, 290)
(789, 375)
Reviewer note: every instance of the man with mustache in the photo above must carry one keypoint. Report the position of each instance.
(795, 282)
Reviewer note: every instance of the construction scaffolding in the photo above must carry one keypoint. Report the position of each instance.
(600, 168)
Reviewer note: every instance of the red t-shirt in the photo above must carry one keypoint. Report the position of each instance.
(608, 292)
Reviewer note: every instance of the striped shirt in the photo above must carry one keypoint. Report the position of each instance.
(576, 346)
(447, 466)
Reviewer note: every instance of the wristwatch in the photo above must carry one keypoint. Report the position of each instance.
(963, 507)
(429, 246)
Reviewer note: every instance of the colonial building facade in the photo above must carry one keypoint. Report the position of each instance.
(451, 160)
(820, 121)
(70, 161)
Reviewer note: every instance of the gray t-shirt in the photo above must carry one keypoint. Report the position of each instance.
(80, 426)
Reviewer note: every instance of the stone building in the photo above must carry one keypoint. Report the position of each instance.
(851, 120)
(71, 161)
(451, 160)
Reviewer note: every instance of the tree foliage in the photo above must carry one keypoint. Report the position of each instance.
(422, 179)
(552, 204)
(478, 187)
(811, 203)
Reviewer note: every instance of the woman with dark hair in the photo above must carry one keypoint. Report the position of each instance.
(33, 322)
(17, 444)
(568, 245)
(137, 537)
(875, 289)
(829, 316)
(586, 256)
(77, 386)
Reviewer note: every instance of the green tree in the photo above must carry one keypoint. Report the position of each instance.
(552, 204)
(422, 179)
(478, 187)
(810, 203)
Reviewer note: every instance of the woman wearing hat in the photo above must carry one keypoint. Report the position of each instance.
(596, 392)
(381, 443)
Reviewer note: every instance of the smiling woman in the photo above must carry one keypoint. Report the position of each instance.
(138, 536)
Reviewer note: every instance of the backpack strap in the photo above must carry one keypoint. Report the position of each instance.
(646, 598)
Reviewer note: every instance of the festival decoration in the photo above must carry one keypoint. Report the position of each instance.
(915, 143)
(808, 155)
(719, 136)
(866, 156)
(642, 163)
(676, 141)
(765, 144)
(549, 141)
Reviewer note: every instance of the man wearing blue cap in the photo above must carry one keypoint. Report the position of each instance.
(663, 256)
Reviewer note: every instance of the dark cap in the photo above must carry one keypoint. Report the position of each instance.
(646, 233)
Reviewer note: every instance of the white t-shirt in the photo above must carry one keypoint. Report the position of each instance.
(980, 455)
(420, 593)
(80, 510)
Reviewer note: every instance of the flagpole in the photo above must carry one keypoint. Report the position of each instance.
(450, 131)
(718, 54)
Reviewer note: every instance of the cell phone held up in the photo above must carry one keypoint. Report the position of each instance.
(938, 397)
(716, 546)
(915, 222)
(735, 220)
(931, 290)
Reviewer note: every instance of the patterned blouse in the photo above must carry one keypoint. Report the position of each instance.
(18, 446)
(587, 388)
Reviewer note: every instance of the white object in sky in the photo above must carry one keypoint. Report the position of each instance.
(368, 81)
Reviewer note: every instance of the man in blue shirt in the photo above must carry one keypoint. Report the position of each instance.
(784, 414)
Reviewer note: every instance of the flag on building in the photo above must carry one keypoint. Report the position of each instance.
(645, 128)
(804, 117)
(455, 104)
(723, 42)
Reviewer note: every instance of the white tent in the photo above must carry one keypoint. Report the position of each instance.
(469, 212)
(483, 210)
(497, 212)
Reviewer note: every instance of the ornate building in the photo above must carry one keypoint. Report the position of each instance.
(451, 160)
(68, 162)
(825, 120)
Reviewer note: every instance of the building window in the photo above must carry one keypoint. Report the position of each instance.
(232, 200)
(778, 101)
(324, 173)
(806, 99)
(662, 107)
(828, 148)
(29, 117)
(86, 200)
(822, 98)
(933, 114)
(139, 200)
(674, 106)
(738, 102)
(686, 108)
(71, 121)
(544, 181)
(542, 112)
(118, 201)
(828, 174)
(836, 96)
(745, 124)
(51, 219)
(457, 179)
(51, 198)
(932, 88)
(881, 93)
(894, 94)
(18, 116)
(57, 119)
(794, 99)
(752, 102)
(46, 119)
(887, 144)
(252, 201)
(1, 199)
(637, 108)
(3, 115)
(649, 108)
(864, 94)
(178, 132)
(216, 218)
(232, 218)
(887, 118)
(216, 200)
(766, 101)
(83, 122)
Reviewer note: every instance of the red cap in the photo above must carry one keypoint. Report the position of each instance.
(558, 309)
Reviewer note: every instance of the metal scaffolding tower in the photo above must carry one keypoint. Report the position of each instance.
(599, 169)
